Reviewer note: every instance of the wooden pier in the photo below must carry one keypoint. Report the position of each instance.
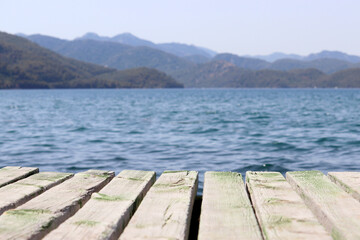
(135, 205)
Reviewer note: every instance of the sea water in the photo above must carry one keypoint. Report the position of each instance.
(173, 129)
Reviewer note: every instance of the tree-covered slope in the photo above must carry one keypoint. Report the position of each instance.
(326, 65)
(334, 55)
(178, 49)
(349, 78)
(243, 62)
(221, 74)
(114, 54)
(24, 64)
(225, 70)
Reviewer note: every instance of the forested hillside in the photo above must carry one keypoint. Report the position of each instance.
(324, 69)
(24, 64)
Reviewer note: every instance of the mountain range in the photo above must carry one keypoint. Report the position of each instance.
(323, 54)
(219, 74)
(196, 69)
(326, 65)
(178, 49)
(112, 54)
(201, 54)
(190, 51)
(24, 64)
(139, 53)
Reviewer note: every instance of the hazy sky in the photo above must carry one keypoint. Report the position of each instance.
(236, 26)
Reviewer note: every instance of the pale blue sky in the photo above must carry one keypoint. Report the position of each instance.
(237, 26)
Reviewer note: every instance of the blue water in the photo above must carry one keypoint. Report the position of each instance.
(214, 129)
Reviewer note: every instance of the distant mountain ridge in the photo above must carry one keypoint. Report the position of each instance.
(177, 49)
(223, 70)
(124, 38)
(314, 56)
(191, 51)
(24, 64)
(326, 65)
(243, 62)
(276, 56)
(113, 54)
(122, 56)
(334, 55)
(220, 74)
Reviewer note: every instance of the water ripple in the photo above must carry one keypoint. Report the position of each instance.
(193, 129)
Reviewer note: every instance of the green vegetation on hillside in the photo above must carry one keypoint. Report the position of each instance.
(326, 65)
(113, 54)
(224, 70)
(349, 78)
(24, 64)
(177, 49)
(243, 62)
(224, 74)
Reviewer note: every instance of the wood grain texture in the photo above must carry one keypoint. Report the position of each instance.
(107, 213)
(37, 217)
(338, 211)
(12, 174)
(17, 193)
(348, 181)
(165, 212)
(281, 212)
(226, 211)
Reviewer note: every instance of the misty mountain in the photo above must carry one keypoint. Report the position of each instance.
(314, 56)
(197, 58)
(124, 38)
(46, 41)
(113, 54)
(24, 64)
(121, 56)
(177, 49)
(210, 74)
(349, 78)
(225, 74)
(209, 51)
(326, 65)
(222, 74)
(334, 55)
(224, 70)
(183, 50)
(148, 57)
(243, 62)
(277, 56)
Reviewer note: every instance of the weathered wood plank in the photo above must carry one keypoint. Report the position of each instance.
(334, 208)
(40, 215)
(226, 211)
(12, 174)
(17, 193)
(281, 212)
(349, 181)
(165, 212)
(107, 213)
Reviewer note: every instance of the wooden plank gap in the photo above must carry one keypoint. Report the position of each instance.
(12, 174)
(348, 181)
(280, 211)
(107, 212)
(17, 193)
(335, 209)
(166, 209)
(40, 215)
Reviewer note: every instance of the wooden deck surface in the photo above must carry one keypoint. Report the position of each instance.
(134, 205)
